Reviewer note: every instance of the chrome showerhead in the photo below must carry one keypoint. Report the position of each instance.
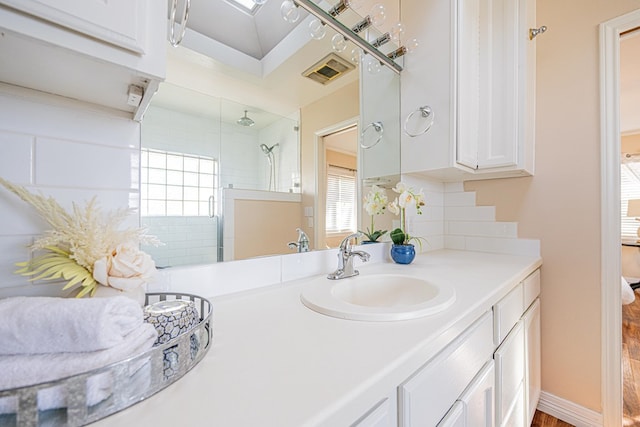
(267, 150)
(245, 121)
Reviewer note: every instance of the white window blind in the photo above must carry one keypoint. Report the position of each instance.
(341, 200)
(630, 189)
(176, 184)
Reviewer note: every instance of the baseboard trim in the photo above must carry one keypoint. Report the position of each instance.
(569, 412)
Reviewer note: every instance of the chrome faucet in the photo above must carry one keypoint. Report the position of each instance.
(302, 244)
(345, 259)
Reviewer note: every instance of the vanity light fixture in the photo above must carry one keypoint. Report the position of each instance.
(317, 29)
(289, 11)
(345, 33)
(383, 39)
(376, 17)
(410, 47)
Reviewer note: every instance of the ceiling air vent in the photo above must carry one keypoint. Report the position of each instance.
(328, 69)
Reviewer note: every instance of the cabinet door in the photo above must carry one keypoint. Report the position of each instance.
(487, 58)
(425, 398)
(515, 415)
(532, 342)
(495, 106)
(119, 22)
(510, 364)
(455, 417)
(384, 414)
(479, 398)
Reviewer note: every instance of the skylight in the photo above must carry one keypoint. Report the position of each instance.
(248, 6)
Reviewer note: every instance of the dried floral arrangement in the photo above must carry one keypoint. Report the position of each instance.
(86, 247)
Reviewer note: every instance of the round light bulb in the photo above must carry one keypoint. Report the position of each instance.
(259, 1)
(339, 43)
(377, 15)
(289, 11)
(373, 66)
(317, 29)
(396, 32)
(411, 45)
(355, 55)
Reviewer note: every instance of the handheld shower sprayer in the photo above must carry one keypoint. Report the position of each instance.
(267, 150)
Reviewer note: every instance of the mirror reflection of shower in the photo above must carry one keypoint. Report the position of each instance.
(268, 151)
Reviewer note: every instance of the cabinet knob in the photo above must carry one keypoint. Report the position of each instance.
(533, 32)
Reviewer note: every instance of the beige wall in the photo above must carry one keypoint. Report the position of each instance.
(341, 105)
(630, 143)
(561, 204)
(343, 160)
(264, 227)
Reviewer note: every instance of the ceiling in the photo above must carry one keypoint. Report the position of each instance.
(254, 35)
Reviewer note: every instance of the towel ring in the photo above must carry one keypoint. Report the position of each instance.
(378, 127)
(173, 39)
(426, 113)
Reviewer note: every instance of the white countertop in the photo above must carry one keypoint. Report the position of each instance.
(274, 362)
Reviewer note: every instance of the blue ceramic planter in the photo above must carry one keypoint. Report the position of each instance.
(403, 254)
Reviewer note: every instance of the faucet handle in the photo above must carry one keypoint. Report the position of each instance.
(345, 245)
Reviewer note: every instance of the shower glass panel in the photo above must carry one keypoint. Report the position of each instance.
(259, 149)
(195, 149)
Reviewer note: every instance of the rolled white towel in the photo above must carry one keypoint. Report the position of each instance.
(25, 370)
(36, 325)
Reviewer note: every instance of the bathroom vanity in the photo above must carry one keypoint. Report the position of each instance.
(276, 362)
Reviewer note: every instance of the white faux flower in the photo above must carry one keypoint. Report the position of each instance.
(400, 187)
(394, 208)
(406, 199)
(375, 201)
(126, 268)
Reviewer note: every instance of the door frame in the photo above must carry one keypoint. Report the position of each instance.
(320, 189)
(610, 256)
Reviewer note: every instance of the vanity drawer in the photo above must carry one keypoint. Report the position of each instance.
(427, 396)
(507, 312)
(531, 288)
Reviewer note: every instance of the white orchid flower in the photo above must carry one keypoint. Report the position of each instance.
(394, 208)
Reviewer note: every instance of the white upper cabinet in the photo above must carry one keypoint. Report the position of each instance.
(119, 22)
(476, 69)
(110, 53)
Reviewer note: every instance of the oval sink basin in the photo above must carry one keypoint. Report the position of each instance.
(380, 297)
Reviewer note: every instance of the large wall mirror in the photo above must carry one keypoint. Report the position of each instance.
(240, 149)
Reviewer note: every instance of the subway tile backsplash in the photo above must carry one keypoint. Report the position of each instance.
(63, 149)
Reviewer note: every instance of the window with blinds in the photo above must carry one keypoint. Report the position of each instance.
(341, 200)
(630, 190)
(177, 184)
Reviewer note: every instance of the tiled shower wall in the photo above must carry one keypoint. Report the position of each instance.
(64, 149)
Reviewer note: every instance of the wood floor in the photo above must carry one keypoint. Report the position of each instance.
(631, 362)
(540, 419)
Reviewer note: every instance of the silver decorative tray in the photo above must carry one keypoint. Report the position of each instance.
(124, 383)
